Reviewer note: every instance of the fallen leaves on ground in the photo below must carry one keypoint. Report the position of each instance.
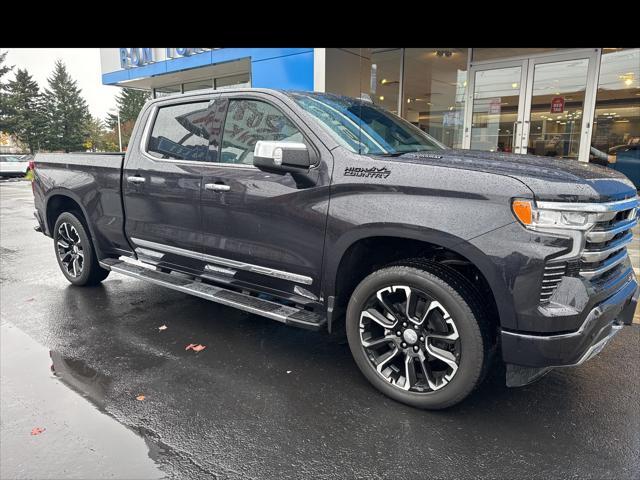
(37, 430)
(163, 327)
(140, 397)
(195, 347)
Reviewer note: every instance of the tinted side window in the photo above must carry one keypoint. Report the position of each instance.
(249, 121)
(185, 132)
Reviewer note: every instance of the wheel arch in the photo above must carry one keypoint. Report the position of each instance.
(63, 200)
(364, 250)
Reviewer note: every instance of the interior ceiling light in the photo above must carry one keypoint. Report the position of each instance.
(444, 53)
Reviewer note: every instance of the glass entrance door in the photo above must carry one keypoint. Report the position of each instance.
(496, 98)
(541, 105)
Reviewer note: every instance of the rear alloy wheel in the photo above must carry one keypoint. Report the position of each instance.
(416, 334)
(75, 252)
(70, 251)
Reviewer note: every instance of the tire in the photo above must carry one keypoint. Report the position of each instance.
(446, 316)
(75, 252)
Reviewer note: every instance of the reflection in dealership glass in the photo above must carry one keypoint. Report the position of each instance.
(185, 132)
(365, 128)
(249, 121)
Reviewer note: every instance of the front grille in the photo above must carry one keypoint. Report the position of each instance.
(553, 273)
(606, 244)
(603, 246)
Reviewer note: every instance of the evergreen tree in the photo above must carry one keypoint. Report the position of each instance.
(66, 112)
(26, 121)
(5, 110)
(130, 103)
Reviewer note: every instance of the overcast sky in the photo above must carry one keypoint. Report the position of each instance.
(83, 64)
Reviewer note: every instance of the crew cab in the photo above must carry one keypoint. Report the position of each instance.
(329, 213)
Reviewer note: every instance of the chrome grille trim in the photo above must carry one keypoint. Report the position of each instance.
(605, 267)
(589, 255)
(552, 276)
(591, 207)
(598, 236)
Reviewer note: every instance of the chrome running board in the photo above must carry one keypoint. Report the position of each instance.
(265, 308)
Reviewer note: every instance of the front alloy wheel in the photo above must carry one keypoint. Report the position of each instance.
(419, 333)
(410, 339)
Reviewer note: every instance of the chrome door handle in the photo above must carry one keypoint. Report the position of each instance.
(135, 179)
(217, 187)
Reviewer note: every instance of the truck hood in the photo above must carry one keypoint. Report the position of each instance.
(550, 179)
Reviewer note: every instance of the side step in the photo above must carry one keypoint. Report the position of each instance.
(265, 308)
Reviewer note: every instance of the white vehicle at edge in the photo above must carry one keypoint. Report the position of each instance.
(14, 165)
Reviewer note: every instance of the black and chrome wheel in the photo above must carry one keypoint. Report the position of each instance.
(70, 251)
(75, 252)
(416, 335)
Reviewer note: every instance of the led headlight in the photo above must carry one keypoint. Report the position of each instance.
(538, 218)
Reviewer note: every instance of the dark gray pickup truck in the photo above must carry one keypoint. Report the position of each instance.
(326, 212)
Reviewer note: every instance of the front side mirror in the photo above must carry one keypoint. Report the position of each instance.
(281, 156)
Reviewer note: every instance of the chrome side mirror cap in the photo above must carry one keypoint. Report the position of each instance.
(281, 156)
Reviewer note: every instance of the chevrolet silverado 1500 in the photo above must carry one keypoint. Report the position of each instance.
(326, 212)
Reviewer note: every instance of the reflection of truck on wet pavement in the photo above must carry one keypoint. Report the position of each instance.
(321, 211)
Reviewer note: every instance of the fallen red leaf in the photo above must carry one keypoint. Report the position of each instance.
(195, 347)
(37, 430)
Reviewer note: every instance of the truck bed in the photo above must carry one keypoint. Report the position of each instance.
(94, 182)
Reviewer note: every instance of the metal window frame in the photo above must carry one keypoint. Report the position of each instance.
(528, 63)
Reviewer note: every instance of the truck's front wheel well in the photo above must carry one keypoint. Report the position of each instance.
(371, 254)
(57, 205)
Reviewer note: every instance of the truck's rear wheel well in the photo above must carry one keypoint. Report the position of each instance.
(370, 254)
(59, 204)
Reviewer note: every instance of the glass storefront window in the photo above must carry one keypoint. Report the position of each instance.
(164, 91)
(385, 77)
(233, 81)
(435, 85)
(482, 54)
(199, 85)
(557, 104)
(616, 126)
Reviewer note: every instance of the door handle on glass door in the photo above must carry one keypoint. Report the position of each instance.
(217, 187)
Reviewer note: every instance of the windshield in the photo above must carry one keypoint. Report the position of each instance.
(363, 127)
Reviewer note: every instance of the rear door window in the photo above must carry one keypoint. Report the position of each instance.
(186, 131)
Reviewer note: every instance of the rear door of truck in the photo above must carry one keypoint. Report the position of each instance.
(162, 182)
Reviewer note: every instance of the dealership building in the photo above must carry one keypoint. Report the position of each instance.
(570, 103)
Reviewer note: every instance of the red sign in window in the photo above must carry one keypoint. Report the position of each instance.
(557, 105)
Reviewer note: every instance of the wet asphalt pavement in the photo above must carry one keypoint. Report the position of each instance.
(262, 400)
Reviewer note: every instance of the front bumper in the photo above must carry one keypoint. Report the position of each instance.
(530, 356)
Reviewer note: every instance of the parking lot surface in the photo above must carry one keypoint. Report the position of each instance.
(262, 400)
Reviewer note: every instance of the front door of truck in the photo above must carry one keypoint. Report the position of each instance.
(264, 229)
(162, 181)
